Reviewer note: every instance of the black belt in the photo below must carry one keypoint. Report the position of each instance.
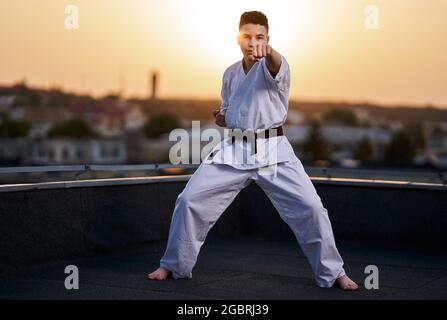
(265, 134)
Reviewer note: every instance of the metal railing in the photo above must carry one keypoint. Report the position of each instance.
(93, 168)
(404, 176)
(37, 174)
(438, 177)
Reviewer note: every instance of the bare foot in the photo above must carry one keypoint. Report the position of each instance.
(346, 284)
(160, 274)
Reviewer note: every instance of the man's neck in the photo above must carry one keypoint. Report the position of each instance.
(247, 65)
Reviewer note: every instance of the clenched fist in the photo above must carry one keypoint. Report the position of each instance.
(220, 118)
(260, 51)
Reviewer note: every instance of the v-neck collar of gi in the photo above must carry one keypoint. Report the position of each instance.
(241, 64)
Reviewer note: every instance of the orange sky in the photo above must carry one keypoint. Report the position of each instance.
(191, 42)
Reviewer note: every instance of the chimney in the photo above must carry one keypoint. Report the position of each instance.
(153, 79)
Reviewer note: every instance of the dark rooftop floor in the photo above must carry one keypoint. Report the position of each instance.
(234, 268)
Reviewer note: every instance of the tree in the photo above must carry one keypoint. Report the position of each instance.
(414, 129)
(400, 150)
(25, 96)
(57, 98)
(364, 151)
(316, 147)
(345, 117)
(73, 128)
(160, 124)
(13, 129)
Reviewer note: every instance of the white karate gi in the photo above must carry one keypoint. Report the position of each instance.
(253, 101)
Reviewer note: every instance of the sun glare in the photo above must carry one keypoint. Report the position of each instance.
(214, 25)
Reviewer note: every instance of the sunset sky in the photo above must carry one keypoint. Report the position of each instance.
(191, 42)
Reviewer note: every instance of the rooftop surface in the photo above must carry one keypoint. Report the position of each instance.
(234, 268)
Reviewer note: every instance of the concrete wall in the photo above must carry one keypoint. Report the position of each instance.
(62, 221)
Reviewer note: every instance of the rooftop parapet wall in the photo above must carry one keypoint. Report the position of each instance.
(64, 220)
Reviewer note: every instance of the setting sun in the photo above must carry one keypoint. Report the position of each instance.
(214, 25)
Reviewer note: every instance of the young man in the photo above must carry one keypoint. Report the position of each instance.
(255, 93)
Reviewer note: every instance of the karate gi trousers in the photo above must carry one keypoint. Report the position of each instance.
(213, 187)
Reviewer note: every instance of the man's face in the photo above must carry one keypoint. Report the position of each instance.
(249, 36)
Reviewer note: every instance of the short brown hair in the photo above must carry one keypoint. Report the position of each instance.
(255, 17)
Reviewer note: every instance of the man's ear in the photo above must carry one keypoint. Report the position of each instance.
(268, 39)
(238, 39)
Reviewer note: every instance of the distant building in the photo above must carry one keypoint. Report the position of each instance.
(107, 117)
(135, 117)
(41, 116)
(71, 151)
(344, 139)
(13, 151)
(362, 115)
(7, 102)
(17, 113)
(437, 143)
(39, 130)
(395, 125)
(340, 135)
(295, 117)
(430, 127)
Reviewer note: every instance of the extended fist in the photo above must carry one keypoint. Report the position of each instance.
(220, 118)
(260, 51)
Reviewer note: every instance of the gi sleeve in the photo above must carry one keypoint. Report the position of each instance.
(224, 94)
(282, 78)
